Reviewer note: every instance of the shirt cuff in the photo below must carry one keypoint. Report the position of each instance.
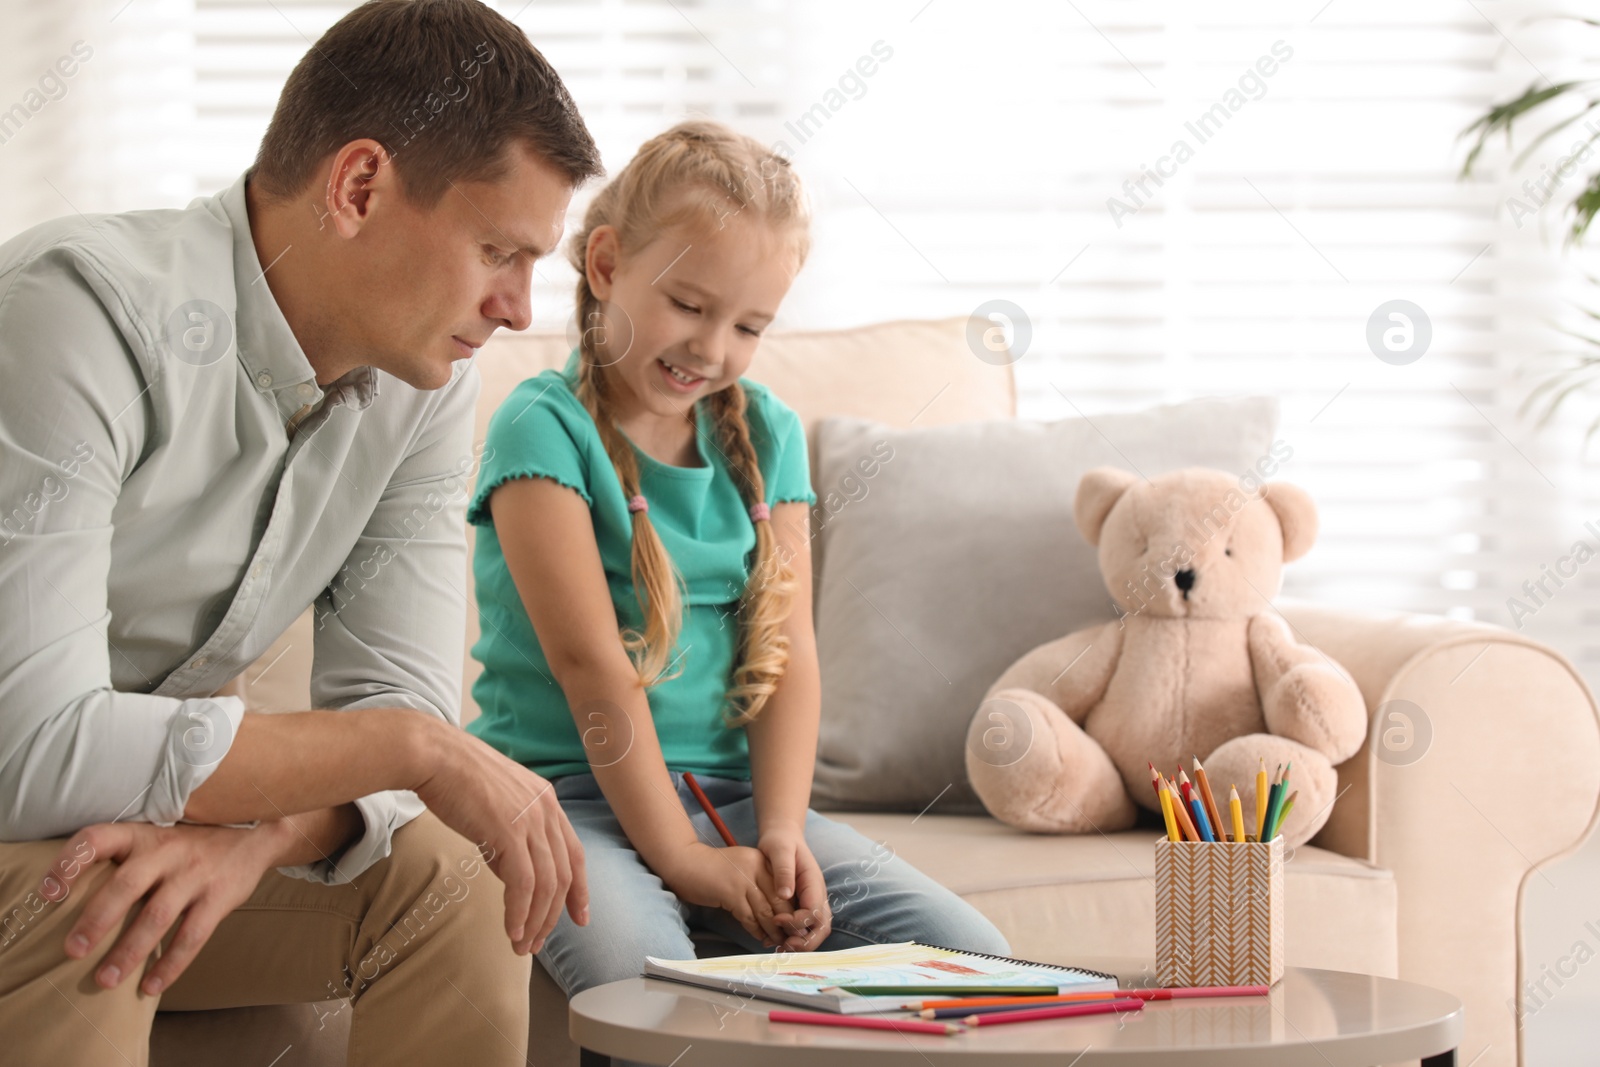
(198, 736)
(383, 813)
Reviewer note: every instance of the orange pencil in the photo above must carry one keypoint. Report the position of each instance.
(1185, 823)
(1212, 811)
(928, 1007)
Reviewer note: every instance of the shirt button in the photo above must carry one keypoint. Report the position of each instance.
(264, 379)
(255, 572)
(201, 662)
(306, 391)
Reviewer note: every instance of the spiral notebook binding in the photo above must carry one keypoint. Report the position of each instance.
(1020, 963)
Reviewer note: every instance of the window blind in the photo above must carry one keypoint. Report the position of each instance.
(1182, 199)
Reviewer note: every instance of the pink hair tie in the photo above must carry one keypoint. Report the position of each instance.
(760, 512)
(638, 503)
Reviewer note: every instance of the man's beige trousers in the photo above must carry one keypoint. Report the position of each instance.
(416, 943)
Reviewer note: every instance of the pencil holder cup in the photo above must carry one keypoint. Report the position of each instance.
(1219, 912)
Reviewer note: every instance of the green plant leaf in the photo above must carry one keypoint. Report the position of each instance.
(1522, 157)
(1502, 116)
(1584, 205)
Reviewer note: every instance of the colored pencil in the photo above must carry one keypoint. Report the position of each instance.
(925, 1006)
(1065, 1011)
(1213, 812)
(1274, 802)
(959, 1011)
(1155, 777)
(705, 802)
(1161, 993)
(1186, 992)
(1166, 814)
(1185, 823)
(935, 990)
(1283, 813)
(1261, 801)
(1200, 819)
(1237, 813)
(820, 1018)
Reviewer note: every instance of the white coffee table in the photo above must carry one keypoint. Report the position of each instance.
(1312, 1018)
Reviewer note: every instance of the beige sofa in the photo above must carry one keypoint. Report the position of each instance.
(1419, 874)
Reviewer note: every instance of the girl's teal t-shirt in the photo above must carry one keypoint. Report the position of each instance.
(543, 430)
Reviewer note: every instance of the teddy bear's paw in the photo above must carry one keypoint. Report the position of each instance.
(1318, 705)
(1035, 769)
(1236, 762)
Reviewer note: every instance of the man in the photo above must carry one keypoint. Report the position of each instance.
(210, 419)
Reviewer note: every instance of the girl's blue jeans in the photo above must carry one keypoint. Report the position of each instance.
(875, 896)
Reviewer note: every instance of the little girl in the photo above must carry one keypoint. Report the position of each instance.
(644, 584)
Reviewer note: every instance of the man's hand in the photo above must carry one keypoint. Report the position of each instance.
(800, 903)
(511, 813)
(194, 873)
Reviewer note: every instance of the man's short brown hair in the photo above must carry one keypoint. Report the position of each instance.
(444, 85)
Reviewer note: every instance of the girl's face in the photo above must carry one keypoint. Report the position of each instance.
(682, 316)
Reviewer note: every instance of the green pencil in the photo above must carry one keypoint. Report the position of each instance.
(950, 990)
(1274, 803)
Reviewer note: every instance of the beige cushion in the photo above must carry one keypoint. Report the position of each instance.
(959, 556)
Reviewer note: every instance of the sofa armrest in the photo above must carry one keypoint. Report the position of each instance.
(1502, 778)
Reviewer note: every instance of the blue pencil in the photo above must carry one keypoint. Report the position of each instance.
(1200, 821)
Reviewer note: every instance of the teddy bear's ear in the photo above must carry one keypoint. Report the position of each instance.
(1297, 515)
(1098, 491)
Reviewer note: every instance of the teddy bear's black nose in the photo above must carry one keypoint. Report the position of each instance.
(1185, 580)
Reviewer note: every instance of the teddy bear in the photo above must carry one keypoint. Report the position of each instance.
(1198, 664)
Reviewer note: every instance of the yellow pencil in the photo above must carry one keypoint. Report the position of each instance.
(1166, 814)
(1261, 800)
(1237, 811)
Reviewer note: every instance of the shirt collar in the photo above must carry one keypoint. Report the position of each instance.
(268, 350)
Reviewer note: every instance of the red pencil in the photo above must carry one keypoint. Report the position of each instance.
(818, 1018)
(1180, 992)
(1026, 1015)
(705, 802)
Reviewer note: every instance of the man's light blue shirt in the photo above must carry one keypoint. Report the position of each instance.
(175, 490)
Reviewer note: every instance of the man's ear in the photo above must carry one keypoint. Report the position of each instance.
(1297, 515)
(1098, 492)
(358, 169)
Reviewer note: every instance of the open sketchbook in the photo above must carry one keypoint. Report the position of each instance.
(809, 979)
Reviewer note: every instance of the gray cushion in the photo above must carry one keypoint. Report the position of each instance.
(955, 555)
